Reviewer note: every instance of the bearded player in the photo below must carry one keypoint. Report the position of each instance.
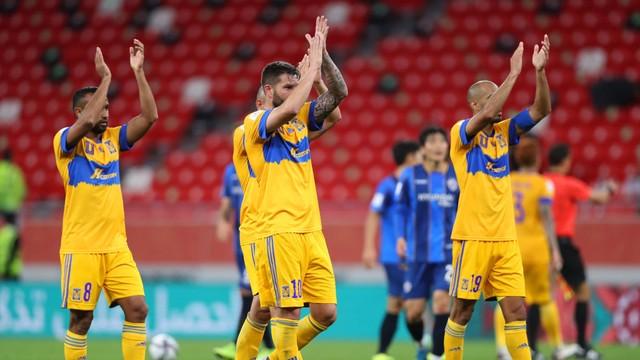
(486, 255)
(94, 254)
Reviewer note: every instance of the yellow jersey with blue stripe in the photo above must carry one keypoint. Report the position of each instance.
(530, 191)
(481, 163)
(281, 161)
(251, 200)
(93, 220)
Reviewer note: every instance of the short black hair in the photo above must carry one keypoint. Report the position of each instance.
(402, 149)
(430, 130)
(558, 153)
(272, 72)
(79, 95)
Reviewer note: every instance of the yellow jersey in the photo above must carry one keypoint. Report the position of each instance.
(93, 220)
(530, 190)
(481, 163)
(281, 161)
(251, 200)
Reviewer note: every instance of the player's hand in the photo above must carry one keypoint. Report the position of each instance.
(541, 54)
(369, 258)
(516, 60)
(101, 67)
(401, 248)
(223, 231)
(556, 258)
(136, 55)
(317, 43)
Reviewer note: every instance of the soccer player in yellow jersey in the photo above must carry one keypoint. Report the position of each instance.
(294, 266)
(94, 254)
(255, 323)
(486, 256)
(533, 196)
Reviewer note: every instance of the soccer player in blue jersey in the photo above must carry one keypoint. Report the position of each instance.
(427, 197)
(405, 153)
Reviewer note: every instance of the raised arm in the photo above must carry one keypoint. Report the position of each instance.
(290, 107)
(550, 229)
(331, 120)
(542, 104)
(336, 89)
(139, 125)
(90, 114)
(488, 114)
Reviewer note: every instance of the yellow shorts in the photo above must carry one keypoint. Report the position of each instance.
(493, 268)
(248, 249)
(85, 275)
(537, 279)
(294, 270)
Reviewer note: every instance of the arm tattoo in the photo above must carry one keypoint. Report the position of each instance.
(337, 89)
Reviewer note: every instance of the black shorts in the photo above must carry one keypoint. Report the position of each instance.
(573, 270)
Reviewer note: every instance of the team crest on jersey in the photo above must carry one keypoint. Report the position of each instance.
(452, 185)
(285, 291)
(465, 284)
(76, 294)
(109, 145)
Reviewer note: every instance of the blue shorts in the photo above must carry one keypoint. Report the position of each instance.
(395, 278)
(422, 279)
(243, 283)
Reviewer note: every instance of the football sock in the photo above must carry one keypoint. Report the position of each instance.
(498, 328)
(453, 340)
(515, 334)
(533, 325)
(75, 346)
(284, 338)
(244, 310)
(439, 324)
(387, 331)
(248, 342)
(582, 317)
(134, 337)
(267, 340)
(416, 329)
(551, 323)
(308, 328)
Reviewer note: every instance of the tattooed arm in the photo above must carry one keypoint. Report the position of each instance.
(337, 89)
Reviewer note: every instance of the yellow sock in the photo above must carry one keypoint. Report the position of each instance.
(498, 327)
(284, 336)
(515, 334)
(308, 328)
(249, 339)
(453, 340)
(134, 341)
(75, 346)
(551, 323)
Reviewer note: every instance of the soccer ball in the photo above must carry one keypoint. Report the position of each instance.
(163, 347)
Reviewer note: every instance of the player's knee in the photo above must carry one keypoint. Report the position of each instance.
(325, 315)
(260, 315)
(80, 321)
(394, 305)
(441, 303)
(137, 312)
(516, 311)
(461, 312)
(583, 292)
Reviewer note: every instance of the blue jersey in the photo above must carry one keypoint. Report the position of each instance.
(232, 190)
(383, 204)
(427, 205)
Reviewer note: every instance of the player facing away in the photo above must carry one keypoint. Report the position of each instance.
(381, 212)
(533, 196)
(570, 191)
(94, 254)
(486, 255)
(256, 321)
(294, 266)
(427, 200)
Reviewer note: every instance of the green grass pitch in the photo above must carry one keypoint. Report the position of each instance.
(14, 349)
